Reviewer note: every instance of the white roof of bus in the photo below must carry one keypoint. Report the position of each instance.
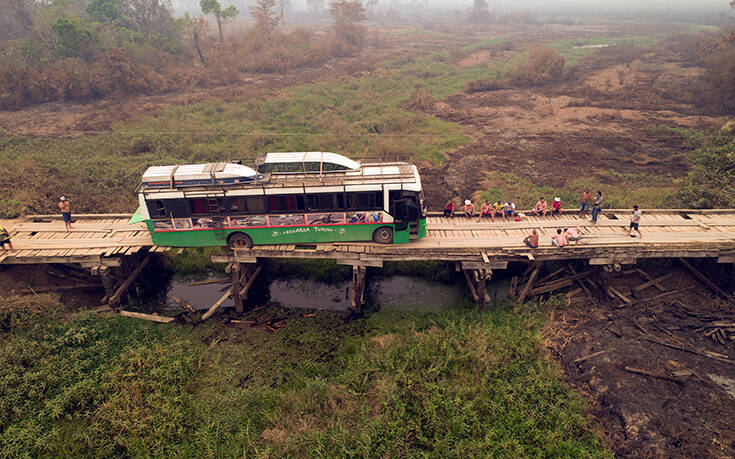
(196, 172)
(310, 156)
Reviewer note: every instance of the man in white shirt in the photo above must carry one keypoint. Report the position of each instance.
(635, 220)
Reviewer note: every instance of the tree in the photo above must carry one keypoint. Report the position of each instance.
(266, 17)
(480, 13)
(15, 20)
(347, 17)
(370, 4)
(149, 16)
(103, 11)
(72, 40)
(193, 27)
(221, 15)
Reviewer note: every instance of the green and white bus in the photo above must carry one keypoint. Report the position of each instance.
(323, 198)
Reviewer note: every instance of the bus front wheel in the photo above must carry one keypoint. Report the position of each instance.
(239, 241)
(383, 235)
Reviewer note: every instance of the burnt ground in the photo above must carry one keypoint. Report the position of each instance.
(606, 115)
(688, 408)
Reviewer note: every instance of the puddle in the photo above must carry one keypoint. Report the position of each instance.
(395, 292)
(591, 46)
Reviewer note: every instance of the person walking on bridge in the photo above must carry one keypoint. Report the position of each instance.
(635, 220)
(65, 209)
(584, 203)
(5, 240)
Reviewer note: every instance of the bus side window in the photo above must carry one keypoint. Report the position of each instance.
(237, 205)
(378, 200)
(156, 208)
(312, 166)
(177, 208)
(199, 206)
(255, 204)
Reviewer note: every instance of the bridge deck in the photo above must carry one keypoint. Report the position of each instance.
(667, 233)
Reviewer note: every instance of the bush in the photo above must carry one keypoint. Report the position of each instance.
(711, 182)
(539, 67)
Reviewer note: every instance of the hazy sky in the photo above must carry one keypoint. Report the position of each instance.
(545, 6)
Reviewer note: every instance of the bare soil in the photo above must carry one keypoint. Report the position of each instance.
(606, 116)
(691, 415)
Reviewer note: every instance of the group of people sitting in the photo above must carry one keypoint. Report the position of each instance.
(487, 210)
(542, 209)
(560, 239)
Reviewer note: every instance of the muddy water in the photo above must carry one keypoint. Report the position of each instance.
(406, 292)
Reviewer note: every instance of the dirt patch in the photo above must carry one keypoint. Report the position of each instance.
(606, 117)
(650, 400)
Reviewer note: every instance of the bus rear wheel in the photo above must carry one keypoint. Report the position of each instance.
(383, 235)
(239, 241)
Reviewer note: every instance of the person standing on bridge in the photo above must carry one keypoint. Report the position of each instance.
(585, 203)
(65, 209)
(635, 220)
(5, 240)
(596, 206)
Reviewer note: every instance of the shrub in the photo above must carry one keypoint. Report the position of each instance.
(540, 66)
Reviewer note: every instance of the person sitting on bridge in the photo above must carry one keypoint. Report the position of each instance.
(5, 240)
(497, 209)
(635, 220)
(469, 208)
(556, 206)
(560, 240)
(65, 209)
(573, 234)
(486, 210)
(532, 240)
(449, 209)
(540, 209)
(509, 210)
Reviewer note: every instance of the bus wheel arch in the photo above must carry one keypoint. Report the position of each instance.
(239, 240)
(383, 235)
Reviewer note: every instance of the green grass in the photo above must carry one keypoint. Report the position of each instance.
(458, 383)
(487, 43)
(567, 47)
(359, 117)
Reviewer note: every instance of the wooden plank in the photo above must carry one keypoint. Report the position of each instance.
(649, 278)
(529, 284)
(216, 305)
(705, 280)
(652, 282)
(124, 286)
(246, 287)
(151, 317)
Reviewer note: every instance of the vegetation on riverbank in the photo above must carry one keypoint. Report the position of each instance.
(453, 383)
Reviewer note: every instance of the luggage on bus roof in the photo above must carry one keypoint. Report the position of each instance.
(198, 174)
(307, 162)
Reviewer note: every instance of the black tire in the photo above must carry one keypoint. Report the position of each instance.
(239, 241)
(383, 235)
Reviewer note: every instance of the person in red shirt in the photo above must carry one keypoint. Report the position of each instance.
(449, 209)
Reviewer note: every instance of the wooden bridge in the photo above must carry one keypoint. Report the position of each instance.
(105, 243)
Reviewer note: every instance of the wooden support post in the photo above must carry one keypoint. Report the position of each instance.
(236, 287)
(529, 284)
(482, 292)
(704, 279)
(249, 283)
(471, 285)
(108, 281)
(359, 276)
(115, 298)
